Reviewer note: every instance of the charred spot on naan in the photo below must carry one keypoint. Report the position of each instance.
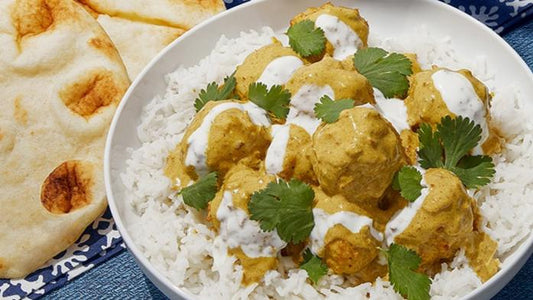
(96, 90)
(31, 17)
(68, 187)
(104, 45)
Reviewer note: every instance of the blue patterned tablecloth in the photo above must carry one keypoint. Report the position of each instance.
(120, 278)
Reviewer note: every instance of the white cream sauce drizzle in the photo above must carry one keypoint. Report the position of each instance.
(237, 230)
(275, 155)
(461, 99)
(392, 109)
(303, 103)
(345, 41)
(198, 140)
(401, 219)
(280, 70)
(325, 221)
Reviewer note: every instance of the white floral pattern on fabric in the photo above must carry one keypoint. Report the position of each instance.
(500, 15)
(102, 240)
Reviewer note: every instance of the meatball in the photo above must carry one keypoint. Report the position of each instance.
(327, 77)
(442, 224)
(357, 156)
(272, 65)
(343, 236)
(345, 30)
(221, 135)
(255, 249)
(290, 154)
(440, 92)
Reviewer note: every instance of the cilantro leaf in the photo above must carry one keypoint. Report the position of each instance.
(459, 136)
(201, 192)
(228, 87)
(405, 280)
(430, 150)
(215, 93)
(275, 100)
(475, 171)
(314, 266)
(286, 207)
(448, 148)
(409, 183)
(305, 39)
(385, 71)
(329, 110)
(209, 94)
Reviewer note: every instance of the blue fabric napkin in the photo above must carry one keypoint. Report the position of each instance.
(101, 240)
(500, 15)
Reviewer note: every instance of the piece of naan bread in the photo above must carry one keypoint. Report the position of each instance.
(61, 79)
(140, 29)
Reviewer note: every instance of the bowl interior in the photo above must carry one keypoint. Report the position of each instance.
(386, 17)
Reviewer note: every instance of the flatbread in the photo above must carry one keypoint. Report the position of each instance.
(171, 13)
(140, 29)
(61, 79)
(137, 42)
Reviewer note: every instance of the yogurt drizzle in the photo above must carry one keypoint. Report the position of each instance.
(280, 70)
(303, 103)
(461, 99)
(198, 140)
(237, 230)
(401, 219)
(325, 221)
(341, 36)
(275, 155)
(394, 110)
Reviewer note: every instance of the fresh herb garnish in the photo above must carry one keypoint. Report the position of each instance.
(201, 192)
(314, 266)
(286, 207)
(305, 39)
(407, 181)
(274, 100)
(329, 110)
(385, 71)
(402, 265)
(215, 93)
(448, 148)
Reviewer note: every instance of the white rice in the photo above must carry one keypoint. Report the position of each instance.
(176, 241)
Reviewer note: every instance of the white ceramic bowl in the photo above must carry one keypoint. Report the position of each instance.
(388, 17)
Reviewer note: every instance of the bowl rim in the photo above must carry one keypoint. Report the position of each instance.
(512, 264)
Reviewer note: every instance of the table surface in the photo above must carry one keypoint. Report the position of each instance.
(121, 278)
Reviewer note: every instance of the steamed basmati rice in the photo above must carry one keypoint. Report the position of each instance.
(175, 240)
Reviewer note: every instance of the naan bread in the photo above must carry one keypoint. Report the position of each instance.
(61, 79)
(171, 13)
(140, 29)
(137, 42)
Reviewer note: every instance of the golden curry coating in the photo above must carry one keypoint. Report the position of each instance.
(357, 156)
(443, 223)
(345, 252)
(349, 16)
(298, 160)
(245, 181)
(242, 182)
(344, 83)
(232, 138)
(446, 222)
(255, 63)
(425, 104)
